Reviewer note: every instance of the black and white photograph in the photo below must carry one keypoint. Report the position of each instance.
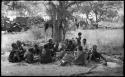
(62, 38)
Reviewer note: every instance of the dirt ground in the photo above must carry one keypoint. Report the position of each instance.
(53, 69)
(114, 68)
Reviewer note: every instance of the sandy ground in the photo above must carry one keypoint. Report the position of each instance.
(53, 69)
(24, 69)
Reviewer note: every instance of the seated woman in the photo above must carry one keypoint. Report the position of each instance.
(14, 54)
(50, 47)
(36, 52)
(70, 46)
(21, 49)
(29, 56)
(45, 56)
(68, 54)
(80, 58)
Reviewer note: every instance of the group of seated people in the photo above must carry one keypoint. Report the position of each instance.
(71, 52)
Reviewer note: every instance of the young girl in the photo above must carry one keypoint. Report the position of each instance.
(79, 39)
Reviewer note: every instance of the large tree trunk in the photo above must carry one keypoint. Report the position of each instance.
(52, 32)
(55, 31)
(58, 32)
(64, 33)
(86, 26)
(96, 21)
(61, 31)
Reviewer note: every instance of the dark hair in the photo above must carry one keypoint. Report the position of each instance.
(79, 33)
(70, 41)
(45, 46)
(30, 50)
(80, 48)
(84, 39)
(14, 45)
(50, 40)
(35, 45)
(94, 46)
(18, 42)
(66, 40)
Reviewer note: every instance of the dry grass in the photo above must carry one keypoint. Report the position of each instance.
(107, 40)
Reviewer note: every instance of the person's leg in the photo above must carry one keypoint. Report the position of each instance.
(94, 58)
(105, 61)
(63, 63)
(18, 59)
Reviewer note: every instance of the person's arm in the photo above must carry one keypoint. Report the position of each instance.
(103, 58)
(25, 54)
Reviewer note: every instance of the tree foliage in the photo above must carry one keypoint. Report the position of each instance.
(61, 13)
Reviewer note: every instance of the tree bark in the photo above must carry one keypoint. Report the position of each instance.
(96, 21)
(57, 30)
(52, 31)
(86, 26)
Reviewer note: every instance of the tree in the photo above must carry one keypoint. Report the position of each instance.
(5, 22)
(60, 13)
(96, 7)
(101, 9)
(112, 14)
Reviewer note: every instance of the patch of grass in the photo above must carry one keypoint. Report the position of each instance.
(37, 32)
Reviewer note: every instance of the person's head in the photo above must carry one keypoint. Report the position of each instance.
(43, 51)
(79, 34)
(73, 39)
(70, 41)
(94, 47)
(30, 50)
(50, 41)
(66, 40)
(45, 47)
(36, 46)
(80, 48)
(84, 41)
(14, 45)
(19, 43)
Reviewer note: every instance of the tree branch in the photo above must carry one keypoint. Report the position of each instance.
(72, 3)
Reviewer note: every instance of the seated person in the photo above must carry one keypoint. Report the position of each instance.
(67, 59)
(62, 47)
(14, 54)
(97, 56)
(68, 54)
(21, 49)
(70, 46)
(74, 43)
(36, 49)
(50, 47)
(29, 56)
(80, 57)
(56, 47)
(84, 45)
(45, 55)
